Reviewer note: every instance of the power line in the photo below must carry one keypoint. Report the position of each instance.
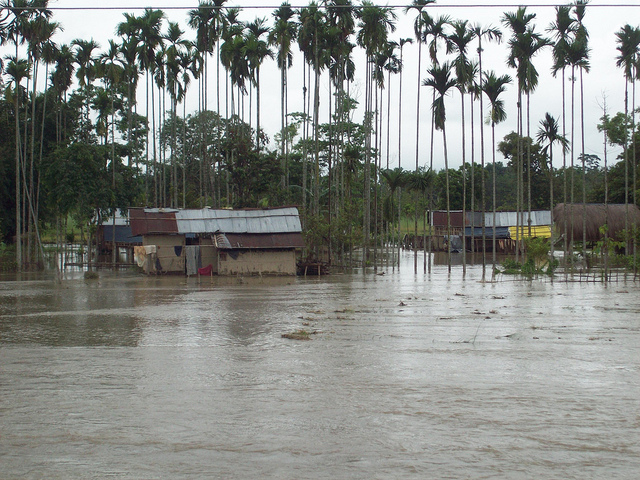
(324, 7)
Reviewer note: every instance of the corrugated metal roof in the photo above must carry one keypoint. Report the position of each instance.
(221, 241)
(510, 219)
(503, 219)
(276, 220)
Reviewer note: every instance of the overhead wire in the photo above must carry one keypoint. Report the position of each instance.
(320, 6)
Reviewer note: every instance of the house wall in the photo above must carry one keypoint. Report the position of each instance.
(166, 253)
(209, 253)
(253, 262)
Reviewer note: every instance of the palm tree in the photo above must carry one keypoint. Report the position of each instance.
(549, 132)
(628, 40)
(385, 61)
(375, 24)
(419, 26)
(440, 79)
(581, 41)
(18, 70)
(459, 42)
(220, 24)
(204, 20)
(257, 51)
(129, 30)
(38, 31)
(391, 65)
(341, 26)
(12, 30)
(61, 79)
(189, 64)
(160, 79)
(563, 29)
(420, 23)
(402, 43)
(232, 56)
(306, 36)
(524, 44)
(491, 34)
(150, 40)
(111, 70)
(283, 33)
(434, 28)
(85, 73)
(493, 87)
(176, 46)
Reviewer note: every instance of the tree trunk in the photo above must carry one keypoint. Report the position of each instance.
(415, 236)
(18, 184)
(482, 188)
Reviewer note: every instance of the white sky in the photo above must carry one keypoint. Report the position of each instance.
(602, 20)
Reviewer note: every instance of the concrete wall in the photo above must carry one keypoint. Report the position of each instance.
(253, 262)
(166, 253)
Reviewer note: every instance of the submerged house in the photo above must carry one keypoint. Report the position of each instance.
(576, 218)
(116, 233)
(509, 227)
(224, 242)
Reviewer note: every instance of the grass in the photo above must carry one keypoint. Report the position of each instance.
(48, 233)
(407, 226)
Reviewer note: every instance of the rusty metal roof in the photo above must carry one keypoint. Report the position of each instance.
(167, 221)
(144, 222)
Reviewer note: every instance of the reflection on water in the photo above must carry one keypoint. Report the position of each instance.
(406, 376)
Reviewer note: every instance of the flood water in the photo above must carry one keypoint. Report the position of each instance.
(405, 377)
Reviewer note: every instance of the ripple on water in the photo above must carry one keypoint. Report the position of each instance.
(409, 376)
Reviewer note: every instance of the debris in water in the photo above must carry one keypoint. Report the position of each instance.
(297, 335)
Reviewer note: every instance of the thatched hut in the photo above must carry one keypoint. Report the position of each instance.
(598, 214)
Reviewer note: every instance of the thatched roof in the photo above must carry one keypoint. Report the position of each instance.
(597, 214)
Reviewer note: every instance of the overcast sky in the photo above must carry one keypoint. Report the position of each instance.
(605, 80)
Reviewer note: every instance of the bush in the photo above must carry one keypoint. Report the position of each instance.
(511, 267)
(537, 250)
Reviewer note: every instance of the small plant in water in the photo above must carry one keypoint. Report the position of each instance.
(511, 267)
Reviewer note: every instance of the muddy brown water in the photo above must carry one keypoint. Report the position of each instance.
(405, 376)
